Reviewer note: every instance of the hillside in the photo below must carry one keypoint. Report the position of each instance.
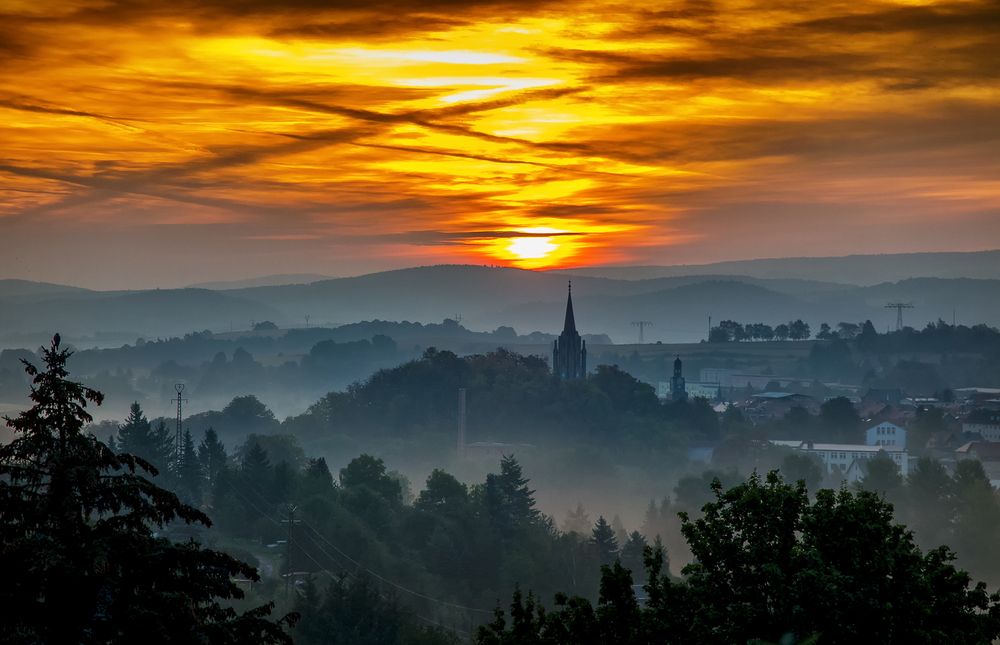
(486, 298)
(262, 281)
(852, 269)
(28, 288)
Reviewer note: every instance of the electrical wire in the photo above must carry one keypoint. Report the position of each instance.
(391, 583)
(333, 577)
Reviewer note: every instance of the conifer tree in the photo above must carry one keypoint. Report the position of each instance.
(509, 502)
(79, 558)
(577, 521)
(137, 436)
(187, 473)
(619, 528)
(604, 541)
(212, 456)
(632, 553)
(317, 479)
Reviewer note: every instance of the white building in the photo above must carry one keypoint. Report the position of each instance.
(847, 459)
(886, 434)
(987, 426)
(988, 431)
(838, 457)
(708, 391)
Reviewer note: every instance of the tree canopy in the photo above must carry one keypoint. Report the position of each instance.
(79, 547)
(770, 564)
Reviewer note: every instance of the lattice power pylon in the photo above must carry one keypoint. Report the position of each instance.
(178, 434)
(899, 307)
(641, 324)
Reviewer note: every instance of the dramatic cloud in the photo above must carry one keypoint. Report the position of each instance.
(172, 142)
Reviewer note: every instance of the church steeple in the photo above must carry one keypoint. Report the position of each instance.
(569, 351)
(570, 324)
(678, 388)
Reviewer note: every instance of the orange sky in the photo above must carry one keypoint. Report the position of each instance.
(160, 143)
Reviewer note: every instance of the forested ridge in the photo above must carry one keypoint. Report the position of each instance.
(358, 557)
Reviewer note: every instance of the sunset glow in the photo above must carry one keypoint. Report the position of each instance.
(267, 137)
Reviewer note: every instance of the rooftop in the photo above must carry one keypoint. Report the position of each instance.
(984, 450)
(773, 396)
(848, 447)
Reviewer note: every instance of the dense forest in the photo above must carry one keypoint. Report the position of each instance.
(358, 551)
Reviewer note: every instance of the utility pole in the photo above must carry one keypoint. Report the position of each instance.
(641, 324)
(461, 423)
(291, 521)
(178, 435)
(709, 337)
(899, 307)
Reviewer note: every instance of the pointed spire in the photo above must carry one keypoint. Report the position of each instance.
(570, 324)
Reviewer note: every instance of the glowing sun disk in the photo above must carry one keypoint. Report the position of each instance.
(531, 248)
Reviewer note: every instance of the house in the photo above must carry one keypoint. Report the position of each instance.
(848, 460)
(983, 423)
(838, 457)
(987, 452)
(886, 434)
(977, 395)
(891, 396)
(774, 405)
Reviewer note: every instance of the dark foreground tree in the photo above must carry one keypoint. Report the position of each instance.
(80, 559)
(771, 565)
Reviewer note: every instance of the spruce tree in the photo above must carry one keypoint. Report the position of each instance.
(577, 521)
(510, 504)
(212, 456)
(79, 557)
(137, 436)
(604, 541)
(632, 553)
(187, 473)
(256, 473)
(317, 479)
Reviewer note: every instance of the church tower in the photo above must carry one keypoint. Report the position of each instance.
(678, 388)
(569, 354)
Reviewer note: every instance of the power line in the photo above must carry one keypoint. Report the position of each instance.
(394, 584)
(291, 522)
(346, 572)
(362, 567)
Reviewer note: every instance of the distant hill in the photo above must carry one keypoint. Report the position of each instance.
(28, 288)
(488, 297)
(141, 313)
(678, 313)
(851, 269)
(262, 281)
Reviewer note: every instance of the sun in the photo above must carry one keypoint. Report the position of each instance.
(531, 248)
(534, 247)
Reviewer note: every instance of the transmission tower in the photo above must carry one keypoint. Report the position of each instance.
(641, 324)
(899, 307)
(178, 435)
(290, 521)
